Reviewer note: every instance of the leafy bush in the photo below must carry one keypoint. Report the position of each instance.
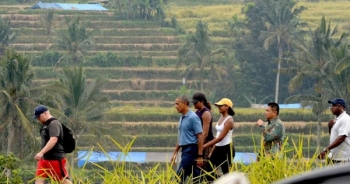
(10, 171)
(48, 58)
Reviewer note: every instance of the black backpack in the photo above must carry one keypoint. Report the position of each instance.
(68, 138)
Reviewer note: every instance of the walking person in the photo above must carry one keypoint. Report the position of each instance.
(273, 130)
(223, 152)
(203, 111)
(51, 158)
(339, 148)
(190, 141)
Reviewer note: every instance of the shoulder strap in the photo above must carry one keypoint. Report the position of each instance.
(226, 119)
(47, 124)
(49, 121)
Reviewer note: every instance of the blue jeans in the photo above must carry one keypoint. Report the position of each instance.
(188, 165)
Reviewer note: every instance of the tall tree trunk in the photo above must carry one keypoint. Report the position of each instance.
(129, 9)
(21, 142)
(201, 77)
(47, 42)
(280, 54)
(119, 7)
(11, 131)
(319, 125)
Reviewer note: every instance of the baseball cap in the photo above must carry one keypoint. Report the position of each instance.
(198, 97)
(228, 102)
(225, 101)
(338, 101)
(39, 110)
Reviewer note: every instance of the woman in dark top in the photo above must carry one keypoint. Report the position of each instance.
(203, 108)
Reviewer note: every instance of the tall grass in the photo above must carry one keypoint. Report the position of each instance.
(289, 162)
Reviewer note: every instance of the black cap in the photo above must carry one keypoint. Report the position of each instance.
(198, 97)
(338, 101)
(39, 110)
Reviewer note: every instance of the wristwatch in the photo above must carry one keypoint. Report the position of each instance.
(324, 150)
(200, 156)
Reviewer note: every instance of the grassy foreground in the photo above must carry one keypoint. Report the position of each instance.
(266, 171)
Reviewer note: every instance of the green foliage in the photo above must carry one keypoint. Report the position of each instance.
(197, 53)
(7, 36)
(15, 80)
(48, 58)
(10, 170)
(174, 24)
(76, 41)
(112, 60)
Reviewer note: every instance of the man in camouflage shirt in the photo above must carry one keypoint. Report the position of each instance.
(273, 130)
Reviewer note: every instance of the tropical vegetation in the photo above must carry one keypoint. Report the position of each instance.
(112, 74)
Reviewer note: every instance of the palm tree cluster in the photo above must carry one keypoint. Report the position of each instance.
(317, 61)
(72, 99)
(321, 62)
(198, 53)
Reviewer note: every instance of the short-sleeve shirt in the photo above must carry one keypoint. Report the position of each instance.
(52, 128)
(189, 126)
(340, 128)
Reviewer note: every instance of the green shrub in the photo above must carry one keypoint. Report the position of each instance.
(10, 170)
(48, 58)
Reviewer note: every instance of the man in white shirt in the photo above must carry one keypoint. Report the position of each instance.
(339, 147)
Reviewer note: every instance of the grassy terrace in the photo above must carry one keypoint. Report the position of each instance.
(217, 15)
(144, 86)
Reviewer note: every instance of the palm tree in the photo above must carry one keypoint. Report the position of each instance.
(7, 36)
(314, 63)
(75, 41)
(197, 54)
(282, 25)
(341, 58)
(48, 22)
(15, 79)
(83, 101)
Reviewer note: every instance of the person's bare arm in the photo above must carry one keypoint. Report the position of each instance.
(206, 124)
(200, 149)
(177, 148)
(49, 145)
(227, 127)
(334, 144)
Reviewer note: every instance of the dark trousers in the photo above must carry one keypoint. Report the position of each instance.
(188, 165)
(222, 157)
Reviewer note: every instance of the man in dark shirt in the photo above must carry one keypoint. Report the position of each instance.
(51, 158)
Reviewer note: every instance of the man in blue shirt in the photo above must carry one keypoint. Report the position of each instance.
(190, 141)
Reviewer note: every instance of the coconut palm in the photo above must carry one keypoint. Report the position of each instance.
(341, 83)
(75, 41)
(197, 54)
(15, 79)
(48, 22)
(282, 24)
(7, 36)
(83, 101)
(314, 63)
